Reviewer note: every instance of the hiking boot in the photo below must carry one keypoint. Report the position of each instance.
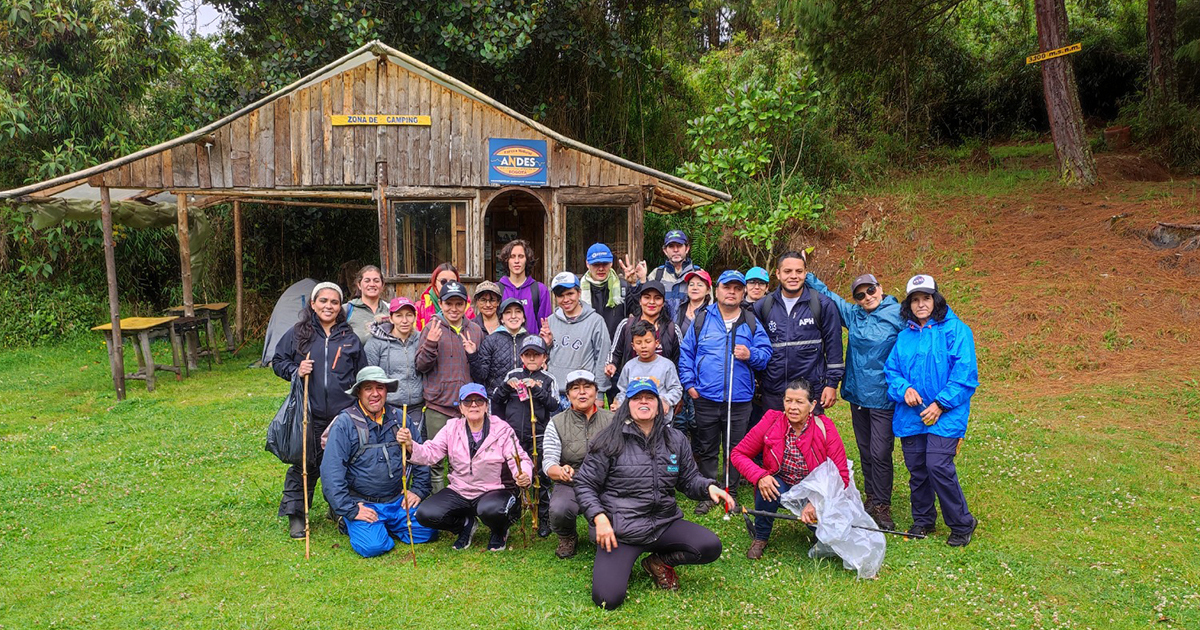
(330, 515)
(882, 513)
(962, 538)
(664, 576)
(296, 525)
(920, 530)
(755, 551)
(498, 541)
(544, 528)
(703, 507)
(566, 546)
(466, 534)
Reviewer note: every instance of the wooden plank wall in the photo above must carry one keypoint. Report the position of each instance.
(289, 143)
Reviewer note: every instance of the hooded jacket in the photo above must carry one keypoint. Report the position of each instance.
(580, 343)
(399, 359)
(473, 476)
(445, 367)
(801, 346)
(524, 293)
(767, 439)
(337, 358)
(508, 404)
(871, 336)
(704, 361)
(378, 472)
(499, 353)
(636, 488)
(596, 295)
(937, 360)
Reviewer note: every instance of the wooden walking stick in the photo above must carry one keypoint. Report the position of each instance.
(404, 469)
(537, 479)
(524, 493)
(304, 457)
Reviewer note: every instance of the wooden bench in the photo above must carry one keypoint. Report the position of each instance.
(209, 312)
(141, 330)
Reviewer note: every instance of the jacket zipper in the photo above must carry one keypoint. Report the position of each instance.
(325, 362)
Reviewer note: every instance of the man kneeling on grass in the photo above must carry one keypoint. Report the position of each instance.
(363, 471)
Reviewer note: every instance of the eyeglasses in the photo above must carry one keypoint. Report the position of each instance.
(474, 402)
(862, 295)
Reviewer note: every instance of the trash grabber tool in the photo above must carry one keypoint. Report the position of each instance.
(792, 517)
(304, 457)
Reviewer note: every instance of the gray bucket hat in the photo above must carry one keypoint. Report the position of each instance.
(373, 374)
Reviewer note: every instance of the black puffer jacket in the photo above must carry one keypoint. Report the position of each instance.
(636, 488)
(496, 355)
(336, 362)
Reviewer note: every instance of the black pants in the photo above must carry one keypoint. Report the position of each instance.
(683, 542)
(709, 436)
(447, 510)
(873, 432)
(292, 501)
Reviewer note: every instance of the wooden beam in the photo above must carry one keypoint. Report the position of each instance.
(607, 195)
(297, 193)
(185, 264)
(430, 192)
(306, 204)
(116, 349)
(238, 320)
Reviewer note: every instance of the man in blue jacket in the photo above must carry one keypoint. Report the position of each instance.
(363, 471)
(805, 330)
(722, 338)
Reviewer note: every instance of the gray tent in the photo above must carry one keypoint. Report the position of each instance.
(284, 315)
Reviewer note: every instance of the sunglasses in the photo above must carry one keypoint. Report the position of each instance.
(474, 402)
(862, 295)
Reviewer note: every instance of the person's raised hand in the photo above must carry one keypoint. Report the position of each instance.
(742, 353)
(545, 334)
(435, 330)
(366, 514)
(828, 397)
(911, 397)
(768, 487)
(606, 539)
(305, 368)
(468, 344)
(809, 514)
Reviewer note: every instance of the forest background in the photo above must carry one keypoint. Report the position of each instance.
(787, 104)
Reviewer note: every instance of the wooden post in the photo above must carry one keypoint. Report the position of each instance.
(384, 223)
(192, 344)
(238, 320)
(116, 350)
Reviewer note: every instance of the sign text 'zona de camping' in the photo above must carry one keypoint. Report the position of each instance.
(520, 162)
(342, 120)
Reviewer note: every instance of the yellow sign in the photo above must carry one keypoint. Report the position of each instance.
(1050, 54)
(341, 120)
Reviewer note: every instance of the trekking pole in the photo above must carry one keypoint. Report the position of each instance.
(729, 413)
(404, 467)
(304, 458)
(537, 479)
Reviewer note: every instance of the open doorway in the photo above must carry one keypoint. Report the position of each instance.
(512, 215)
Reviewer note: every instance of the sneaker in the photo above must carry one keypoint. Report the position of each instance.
(296, 525)
(921, 530)
(962, 538)
(882, 513)
(664, 576)
(566, 546)
(703, 507)
(467, 533)
(544, 527)
(498, 541)
(755, 552)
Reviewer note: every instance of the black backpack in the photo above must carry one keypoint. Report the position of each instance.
(364, 434)
(698, 323)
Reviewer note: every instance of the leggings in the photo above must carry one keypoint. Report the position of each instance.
(683, 542)
(448, 510)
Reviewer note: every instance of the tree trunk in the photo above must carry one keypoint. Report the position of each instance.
(1160, 38)
(1076, 165)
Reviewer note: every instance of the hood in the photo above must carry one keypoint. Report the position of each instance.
(383, 330)
(583, 313)
(505, 282)
(504, 331)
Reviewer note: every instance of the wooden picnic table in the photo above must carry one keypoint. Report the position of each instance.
(141, 330)
(208, 312)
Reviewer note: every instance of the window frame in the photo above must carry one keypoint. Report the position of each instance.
(457, 258)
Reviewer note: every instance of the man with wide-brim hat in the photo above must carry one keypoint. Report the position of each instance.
(364, 472)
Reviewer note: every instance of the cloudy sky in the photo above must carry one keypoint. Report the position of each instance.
(197, 16)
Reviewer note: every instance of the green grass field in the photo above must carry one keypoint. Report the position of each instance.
(159, 512)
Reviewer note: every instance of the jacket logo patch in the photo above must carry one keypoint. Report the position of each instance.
(772, 326)
(807, 321)
(673, 467)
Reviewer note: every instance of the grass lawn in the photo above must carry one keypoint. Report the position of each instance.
(160, 512)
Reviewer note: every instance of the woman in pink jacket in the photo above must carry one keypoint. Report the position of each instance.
(792, 443)
(479, 447)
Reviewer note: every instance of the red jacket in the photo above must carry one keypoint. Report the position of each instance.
(766, 439)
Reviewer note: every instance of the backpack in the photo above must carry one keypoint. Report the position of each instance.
(360, 425)
(535, 300)
(698, 323)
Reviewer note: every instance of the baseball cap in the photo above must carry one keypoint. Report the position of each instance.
(699, 273)
(866, 278)
(580, 375)
(533, 342)
(564, 280)
(640, 384)
(488, 286)
(653, 285)
(599, 253)
(920, 283)
(758, 273)
(675, 236)
(399, 303)
(471, 389)
(451, 289)
(510, 302)
(732, 275)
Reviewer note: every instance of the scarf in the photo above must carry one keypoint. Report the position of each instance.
(614, 288)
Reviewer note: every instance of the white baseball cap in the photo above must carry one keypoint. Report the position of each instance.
(563, 281)
(920, 283)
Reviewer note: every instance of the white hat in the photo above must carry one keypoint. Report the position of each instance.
(321, 287)
(563, 281)
(920, 283)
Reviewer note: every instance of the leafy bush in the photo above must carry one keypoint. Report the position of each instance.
(42, 312)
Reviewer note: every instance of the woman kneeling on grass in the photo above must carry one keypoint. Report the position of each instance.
(791, 444)
(626, 489)
(478, 446)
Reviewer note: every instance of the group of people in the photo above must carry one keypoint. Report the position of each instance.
(604, 394)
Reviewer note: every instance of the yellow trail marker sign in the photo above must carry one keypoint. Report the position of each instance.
(340, 120)
(1050, 54)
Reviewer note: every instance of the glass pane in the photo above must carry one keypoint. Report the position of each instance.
(595, 224)
(424, 234)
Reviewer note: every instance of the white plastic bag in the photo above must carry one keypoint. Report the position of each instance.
(838, 507)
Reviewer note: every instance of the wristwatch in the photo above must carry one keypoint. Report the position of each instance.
(940, 406)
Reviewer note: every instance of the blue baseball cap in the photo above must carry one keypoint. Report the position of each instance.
(758, 273)
(732, 275)
(640, 384)
(675, 236)
(599, 253)
(471, 389)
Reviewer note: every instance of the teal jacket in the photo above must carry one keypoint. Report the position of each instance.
(937, 360)
(871, 335)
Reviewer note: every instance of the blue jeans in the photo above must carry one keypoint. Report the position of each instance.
(763, 524)
(374, 539)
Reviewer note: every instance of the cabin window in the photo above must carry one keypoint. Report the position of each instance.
(427, 234)
(596, 224)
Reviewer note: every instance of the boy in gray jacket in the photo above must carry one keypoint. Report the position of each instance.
(652, 365)
(579, 336)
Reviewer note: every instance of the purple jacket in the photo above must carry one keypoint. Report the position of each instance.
(533, 321)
